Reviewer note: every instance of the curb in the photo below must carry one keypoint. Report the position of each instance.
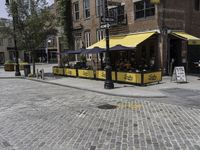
(12, 78)
(105, 93)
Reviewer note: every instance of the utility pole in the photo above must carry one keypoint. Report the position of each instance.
(14, 11)
(108, 82)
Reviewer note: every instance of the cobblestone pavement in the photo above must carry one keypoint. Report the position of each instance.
(37, 116)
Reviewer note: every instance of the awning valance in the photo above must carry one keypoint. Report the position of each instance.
(130, 40)
(192, 40)
(73, 51)
(121, 48)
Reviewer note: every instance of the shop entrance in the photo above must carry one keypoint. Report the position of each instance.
(193, 58)
(175, 53)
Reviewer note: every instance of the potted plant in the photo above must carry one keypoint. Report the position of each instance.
(9, 65)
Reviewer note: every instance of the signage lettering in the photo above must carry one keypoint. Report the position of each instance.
(179, 74)
(85, 73)
(152, 77)
(128, 77)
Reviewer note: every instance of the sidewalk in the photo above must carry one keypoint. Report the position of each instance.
(127, 90)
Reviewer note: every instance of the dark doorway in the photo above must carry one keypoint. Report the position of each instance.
(193, 58)
(175, 53)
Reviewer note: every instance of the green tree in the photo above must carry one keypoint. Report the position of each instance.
(33, 24)
(65, 20)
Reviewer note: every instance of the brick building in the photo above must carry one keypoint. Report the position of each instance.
(7, 50)
(171, 24)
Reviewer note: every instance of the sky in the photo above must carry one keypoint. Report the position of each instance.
(3, 12)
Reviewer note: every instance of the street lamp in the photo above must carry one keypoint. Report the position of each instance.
(14, 12)
(108, 82)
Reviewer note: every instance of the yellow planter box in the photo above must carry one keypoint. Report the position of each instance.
(152, 77)
(55, 70)
(58, 71)
(100, 74)
(70, 72)
(129, 77)
(86, 73)
(21, 65)
(9, 67)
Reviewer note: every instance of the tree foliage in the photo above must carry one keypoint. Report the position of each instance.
(33, 24)
(65, 19)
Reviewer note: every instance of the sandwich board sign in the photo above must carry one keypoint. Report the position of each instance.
(179, 74)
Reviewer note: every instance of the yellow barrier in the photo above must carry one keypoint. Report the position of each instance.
(55, 70)
(70, 72)
(135, 78)
(58, 71)
(100, 74)
(86, 73)
(152, 77)
(129, 77)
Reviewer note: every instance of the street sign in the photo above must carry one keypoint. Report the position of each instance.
(107, 19)
(179, 74)
(105, 26)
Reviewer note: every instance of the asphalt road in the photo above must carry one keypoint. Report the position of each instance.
(38, 116)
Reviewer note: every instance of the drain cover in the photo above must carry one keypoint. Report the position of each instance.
(107, 106)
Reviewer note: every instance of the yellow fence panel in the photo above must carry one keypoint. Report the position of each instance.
(100, 74)
(152, 77)
(70, 72)
(60, 71)
(55, 70)
(86, 73)
(129, 77)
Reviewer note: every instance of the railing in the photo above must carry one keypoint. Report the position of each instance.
(138, 78)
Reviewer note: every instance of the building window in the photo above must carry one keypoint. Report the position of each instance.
(197, 5)
(76, 11)
(10, 42)
(87, 39)
(144, 9)
(99, 8)
(100, 34)
(86, 6)
(78, 43)
(1, 42)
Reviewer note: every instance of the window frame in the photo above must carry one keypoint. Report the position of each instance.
(87, 37)
(146, 7)
(100, 34)
(76, 12)
(99, 9)
(86, 9)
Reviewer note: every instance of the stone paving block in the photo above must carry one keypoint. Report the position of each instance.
(39, 116)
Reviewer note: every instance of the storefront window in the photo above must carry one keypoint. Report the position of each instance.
(144, 9)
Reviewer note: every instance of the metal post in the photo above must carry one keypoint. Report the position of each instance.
(47, 51)
(108, 82)
(14, 11)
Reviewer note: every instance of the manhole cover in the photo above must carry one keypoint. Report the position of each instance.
(107, 106)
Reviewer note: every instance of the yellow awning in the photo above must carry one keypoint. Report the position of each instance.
(130, 40)
(192, 40)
